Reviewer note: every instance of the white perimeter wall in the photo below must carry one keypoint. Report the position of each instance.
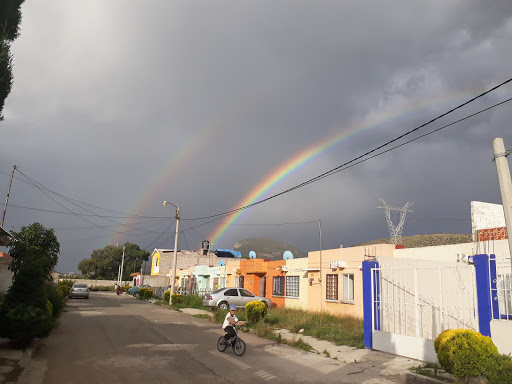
(501, 335)
(455, 252)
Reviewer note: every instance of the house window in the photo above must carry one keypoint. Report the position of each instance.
(278, 286)
(348, 287)
(156, 262)
(222, 282)
(332, 287)
(292, 286)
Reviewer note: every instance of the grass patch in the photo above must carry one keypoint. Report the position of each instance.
(301, 344)
(202, 316)
(339, 330)
(346, 330)
(432, 370)
(326, 353)
(190, 301)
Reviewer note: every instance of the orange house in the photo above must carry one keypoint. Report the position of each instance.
(254, 272)
(275, 281)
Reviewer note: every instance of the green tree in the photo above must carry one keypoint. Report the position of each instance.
(24, 313)
(104, 263)
(10, 18)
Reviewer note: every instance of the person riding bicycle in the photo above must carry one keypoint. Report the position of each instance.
(229, 323)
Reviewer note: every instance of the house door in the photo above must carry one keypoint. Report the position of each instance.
(263, 286)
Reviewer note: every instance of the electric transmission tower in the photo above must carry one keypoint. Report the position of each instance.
(395, 232)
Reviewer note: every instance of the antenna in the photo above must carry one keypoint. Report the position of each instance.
(395, 232)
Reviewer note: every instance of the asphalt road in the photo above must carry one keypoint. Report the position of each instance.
(118, 339)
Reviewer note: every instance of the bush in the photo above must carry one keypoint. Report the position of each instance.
(63, 291)
(176, 298)
(57, 298)
(102, 288)
(66, 283)
(256, 310)
(498, 369)
(25, 322)
(148, 294)
(167, 295)
(141, 292)
(463, 352)
(49, 308)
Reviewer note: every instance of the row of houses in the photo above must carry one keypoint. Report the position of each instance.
(327, 281)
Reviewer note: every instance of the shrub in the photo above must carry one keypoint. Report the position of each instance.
(176, 298)
(102, 288)
(66, 283)
(148, 294)
(63, 290)
(57, 298)
(141, 292)
(25, 322)
(498, 369)
(167, 295)
(49, 308)
(463, 352)
(256, 310)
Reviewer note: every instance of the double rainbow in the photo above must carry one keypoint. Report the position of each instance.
(303, 157)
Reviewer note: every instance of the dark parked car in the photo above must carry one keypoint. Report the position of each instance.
(79, 290)
(224, 297)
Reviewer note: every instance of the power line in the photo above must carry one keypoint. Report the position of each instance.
(126, 215)
(89, 214)
(154, 241)
(345, 165)
(44, 189)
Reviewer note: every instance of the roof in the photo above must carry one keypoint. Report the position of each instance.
(5, 237)
(135, 274)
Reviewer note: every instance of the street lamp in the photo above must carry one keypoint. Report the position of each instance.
(173, 279)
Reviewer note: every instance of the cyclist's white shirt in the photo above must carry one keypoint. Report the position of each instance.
(226, 321)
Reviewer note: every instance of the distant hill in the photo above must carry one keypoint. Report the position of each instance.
(267, 248)
(417, 241)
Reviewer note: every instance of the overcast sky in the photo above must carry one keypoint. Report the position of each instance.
(123, 104)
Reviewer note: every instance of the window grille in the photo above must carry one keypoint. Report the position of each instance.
(332, 287)
(278, 286)
(292, 286)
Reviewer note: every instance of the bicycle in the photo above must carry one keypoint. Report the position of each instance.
(236, 342)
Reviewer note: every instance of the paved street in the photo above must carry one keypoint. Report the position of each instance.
(118, 339)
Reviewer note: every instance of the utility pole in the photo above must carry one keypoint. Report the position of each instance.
(7, 197)
(122, 264)
(320, 278)
(500, 158)
(173, 279)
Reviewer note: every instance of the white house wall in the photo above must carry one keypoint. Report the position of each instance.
(455, 252)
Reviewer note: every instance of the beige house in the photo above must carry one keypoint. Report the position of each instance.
(297, 284)
(232, 272)
(335, 278)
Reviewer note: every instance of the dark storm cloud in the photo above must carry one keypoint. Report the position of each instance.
(106, 93)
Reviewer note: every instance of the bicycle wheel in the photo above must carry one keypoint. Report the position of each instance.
(239, 347)
(221, 346)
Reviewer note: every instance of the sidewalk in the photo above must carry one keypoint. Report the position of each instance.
(13, 361)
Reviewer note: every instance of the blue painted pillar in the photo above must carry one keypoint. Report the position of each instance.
(368, 303)
(483, 293)
(494, 287)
